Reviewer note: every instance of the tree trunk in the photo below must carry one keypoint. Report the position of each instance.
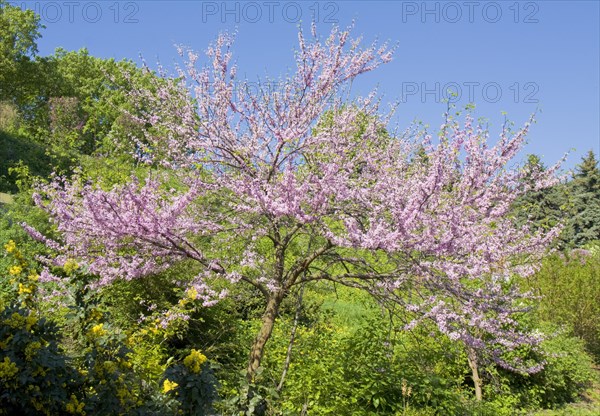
(258, 347)
(288, 355)
(472, 358)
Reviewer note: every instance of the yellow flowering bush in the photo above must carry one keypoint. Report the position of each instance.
(194, 361)
(75, 407)
(10, 247)
(199, 381)
(110, 373)
(23, 281)
(70, 266)
(8, 369)
(34, 372)
(15, 270)
(98, 331)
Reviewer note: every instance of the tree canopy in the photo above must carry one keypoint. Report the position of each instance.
(250, 190)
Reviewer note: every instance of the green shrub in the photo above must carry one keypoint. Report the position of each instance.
(567, 374)
(192, 384)
(19, 151)
(104, 370)
(35, 375)
(569, 286)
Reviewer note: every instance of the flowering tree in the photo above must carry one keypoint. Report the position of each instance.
(277, 188)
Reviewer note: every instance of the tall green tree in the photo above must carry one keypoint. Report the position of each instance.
(86, 113)
(574, 203)
(19, 31)
(543, 207)
(585, 222)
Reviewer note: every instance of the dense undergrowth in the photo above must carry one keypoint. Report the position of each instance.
(93, 354)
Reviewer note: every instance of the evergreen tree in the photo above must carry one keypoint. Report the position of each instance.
(545, 207)
(585, 187)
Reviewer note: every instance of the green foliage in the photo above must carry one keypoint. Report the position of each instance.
(9, 117)
(565, 377)
(575, 204)
(19, 31)
(366, 365)
(56, 110)
(569, 284)
(567, 374)
(18, 152)
(35, 375)
(84, 365)
(358, 366)
(87, 111)
(192, 383)
(585, 222)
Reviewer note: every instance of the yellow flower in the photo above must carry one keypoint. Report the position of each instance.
(75, 406)
(70, 266)
(24, 289)
(194, 361)
(31, 350)
(15, 270)
(34, 277)
(109, 366)
(169, 385)
(8, 369)
(15, 320)
(98, 330)
(192, 293)
(30, 321)
(10, 246)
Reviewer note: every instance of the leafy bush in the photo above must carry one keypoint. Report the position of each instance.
(565, 377)
(192, 383)
(569, 284)
(15, 150)
(35, 375)
(104, 370)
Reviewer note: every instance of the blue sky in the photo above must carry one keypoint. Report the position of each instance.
(513, 57)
